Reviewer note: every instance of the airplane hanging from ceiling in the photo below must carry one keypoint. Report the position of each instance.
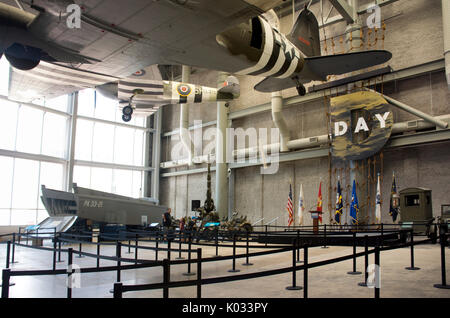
(117, 38)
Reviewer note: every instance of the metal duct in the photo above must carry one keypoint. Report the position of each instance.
(278, 120)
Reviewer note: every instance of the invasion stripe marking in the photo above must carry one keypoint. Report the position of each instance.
(265, 56)
(273, 58)
(89, 77)
(149, 85)
(144, 93)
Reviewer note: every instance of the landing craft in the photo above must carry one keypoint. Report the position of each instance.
(231, 36)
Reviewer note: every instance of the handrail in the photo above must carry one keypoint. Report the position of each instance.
(257, 222)
(273, 220)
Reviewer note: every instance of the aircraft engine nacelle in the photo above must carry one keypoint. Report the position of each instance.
(269, 52)
(23, 57)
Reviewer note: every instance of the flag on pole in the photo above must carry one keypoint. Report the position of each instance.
(378, 202)
(354, 208)
(393, 211)
(290, 207)
(339, 205)
(301, 206)
(319, 202)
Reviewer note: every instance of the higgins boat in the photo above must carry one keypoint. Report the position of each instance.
(95, 209)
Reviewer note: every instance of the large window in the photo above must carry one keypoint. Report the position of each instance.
(102, 137)
(35, 150)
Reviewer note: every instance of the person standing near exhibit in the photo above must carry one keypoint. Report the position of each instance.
(167, 222)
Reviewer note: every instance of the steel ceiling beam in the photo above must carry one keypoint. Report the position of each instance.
(344, 9)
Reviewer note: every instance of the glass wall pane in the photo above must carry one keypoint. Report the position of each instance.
(52, 177)
(83, 140)
(103, 143)
(123, 182)
(54, 135)
(123, 148)
(4, 76)
(58, 103)
(82, 176)
(25, 185)
(101, 179)
(6, 173)
(4, 216)
(23, 217)
(105, 108)
(8, 122)
(137, 184)
(29, 130)
(86, 100)
(41, 215)
(139, 145)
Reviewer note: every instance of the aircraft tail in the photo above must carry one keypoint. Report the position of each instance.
(305, 34)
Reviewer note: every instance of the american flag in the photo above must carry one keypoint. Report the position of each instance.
(290, 207)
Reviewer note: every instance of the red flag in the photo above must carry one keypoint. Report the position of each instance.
(319, 202)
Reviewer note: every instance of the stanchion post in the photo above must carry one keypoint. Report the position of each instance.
(324, 236)
(354, 271)
(189, 273)
(179, 247)
(13, 249)
(199, 273)
(382, 234)
(166, 277)
(234, 270)
(118, 255)
(79, 254)
(305, 272)
(156, 249)
(377, 269)
(54, 253)
(168, 249)
(117, 290)
(294, 270)
(298, 247)
(59, 252)
(247, 250)
(266, 235)
(366, 261)
(136, 241)
(6, 274)
(412, 267)
(443, 285)
(98, 255)
(69, 272)
(217, 242)
(8, 253)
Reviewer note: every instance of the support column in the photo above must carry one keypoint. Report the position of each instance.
(446, 23)
(221, 154)
(184, 118)
(73, 101)
(156, 153)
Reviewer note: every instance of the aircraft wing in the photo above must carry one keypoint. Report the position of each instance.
(121, 37)
(118, 38)
(319, 67)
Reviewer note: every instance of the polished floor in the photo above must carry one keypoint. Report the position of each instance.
(331, 281)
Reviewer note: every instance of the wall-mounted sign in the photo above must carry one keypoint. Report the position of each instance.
(362, 125)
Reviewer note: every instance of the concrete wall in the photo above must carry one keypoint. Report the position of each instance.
(414, 36)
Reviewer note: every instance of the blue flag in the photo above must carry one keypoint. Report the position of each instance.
(339, 205)
(354, 208)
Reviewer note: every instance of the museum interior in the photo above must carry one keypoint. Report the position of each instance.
(224, 149)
